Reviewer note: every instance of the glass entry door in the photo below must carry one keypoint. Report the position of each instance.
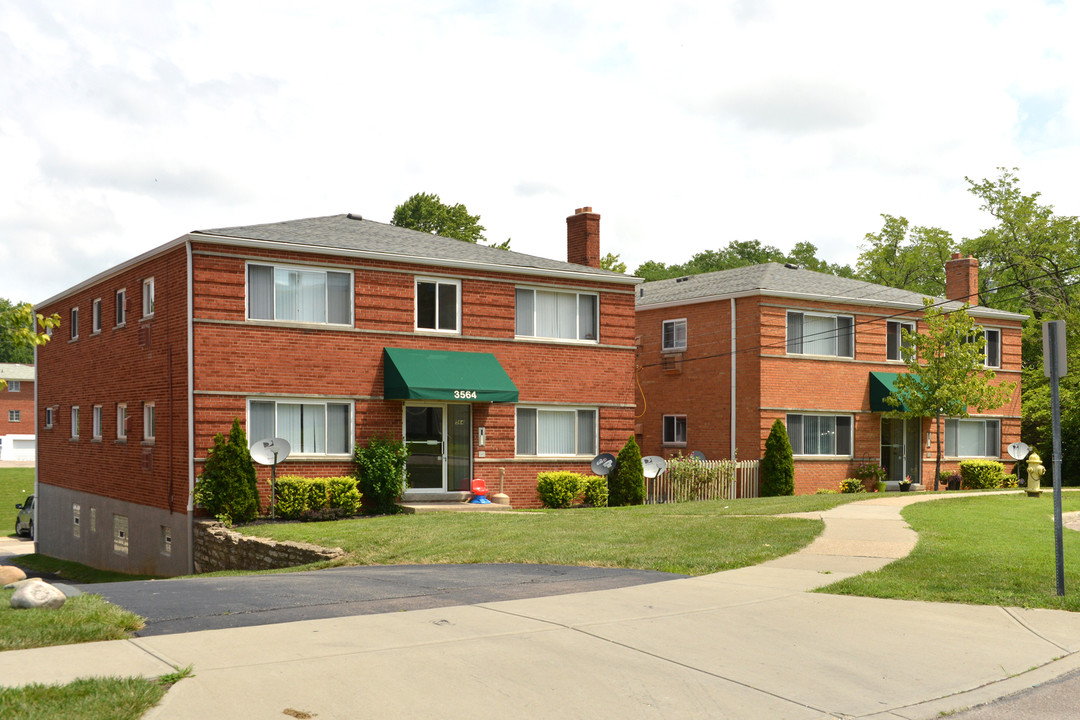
(439, 440)
(900, 448)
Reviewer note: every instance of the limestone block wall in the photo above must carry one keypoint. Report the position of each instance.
(216, 547)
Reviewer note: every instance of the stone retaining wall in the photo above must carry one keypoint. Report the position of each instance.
(219, 548)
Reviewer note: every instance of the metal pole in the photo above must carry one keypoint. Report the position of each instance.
(1055, 414)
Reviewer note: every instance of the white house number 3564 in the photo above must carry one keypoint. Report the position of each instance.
(464, 394)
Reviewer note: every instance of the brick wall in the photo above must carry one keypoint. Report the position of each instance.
(21, 400)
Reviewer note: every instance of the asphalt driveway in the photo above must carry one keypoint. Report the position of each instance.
(211, 603)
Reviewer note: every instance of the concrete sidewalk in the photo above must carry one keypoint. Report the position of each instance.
(744, 643)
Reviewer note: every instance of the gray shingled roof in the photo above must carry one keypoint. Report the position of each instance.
(774, 278)
(350, 233)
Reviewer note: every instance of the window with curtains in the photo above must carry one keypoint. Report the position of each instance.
(556, 431)
(438, 305)
(299, 294)
(312, 427)
(557, 315)
(813, 334)
(973, 437)
(819, 434)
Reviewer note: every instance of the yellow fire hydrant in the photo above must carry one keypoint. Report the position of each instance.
(1035, 471)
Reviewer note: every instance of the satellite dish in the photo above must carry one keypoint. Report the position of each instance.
(653, 465)
(603, 463)
(1019, 450)
(698, 455)
(270, 450)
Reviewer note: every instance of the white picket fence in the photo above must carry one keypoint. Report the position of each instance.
(688, 480)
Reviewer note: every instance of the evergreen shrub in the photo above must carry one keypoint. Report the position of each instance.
(778, 463)
(596, 491)
(301, 498)
(227, 487)
(380, 473)
(559, 489)
(981, 474)
(626, 483)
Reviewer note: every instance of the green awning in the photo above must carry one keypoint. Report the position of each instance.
(881, 386)
(444, 375)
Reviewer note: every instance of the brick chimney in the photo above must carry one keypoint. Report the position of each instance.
(583, 237)
(962, 279)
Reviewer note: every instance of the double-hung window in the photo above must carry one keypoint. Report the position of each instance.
(121, 307)
(14, 416)
(48, 418)
(299, 294)
(674, 335)
(819, 434)
(14, 385)
(312, 427)
(815, 334)
(121, 421)
(148, 415)
(557, 315)
(75, 422)
(895, 340)
(74, 323)
(95, 317)
(438, 305)
(973, 437)
(97, 422)
(674, 429)
(556, 431)
(992, 350)
(148, 297)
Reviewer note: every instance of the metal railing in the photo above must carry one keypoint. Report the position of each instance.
(689, 480)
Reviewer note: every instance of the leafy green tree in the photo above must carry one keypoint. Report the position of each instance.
(778, 463)
(626, 483)
(381, 474)
(910, 258)
(946, 372)
(427, 213)
(612, 262)
(740, 253)
(21, 330)
(228, 487)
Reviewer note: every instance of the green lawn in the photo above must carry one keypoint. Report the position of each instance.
(16, 484)
(996, 550)
(87, 699)
(84, 618)
(689, 538)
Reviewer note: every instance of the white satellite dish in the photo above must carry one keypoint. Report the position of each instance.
(270, 451)
(653, 465)
(1019, 450)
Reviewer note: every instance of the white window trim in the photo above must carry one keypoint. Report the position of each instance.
(910, 326)
(95, 317)
(149, 421)
(673, 348)
(812, 313)
(148, 283)
(663, 430)
(559, 408)
(74, 422)
(982, 421)
(567, 291)
(819, 456)
(306, 401)
(97, 423)
(302, 268)
(986, 354)
(14, 386)
(121, 307)
(48, 418)
(74, 322)
(416, 304)
(14, 416)
(121, 421)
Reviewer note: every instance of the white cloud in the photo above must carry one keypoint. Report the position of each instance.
(685, 125)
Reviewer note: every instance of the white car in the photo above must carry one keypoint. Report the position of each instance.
(24, 521)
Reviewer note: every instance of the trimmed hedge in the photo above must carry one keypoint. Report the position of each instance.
(981, 474)
(559, 489)
(596, 491)
(301, 498)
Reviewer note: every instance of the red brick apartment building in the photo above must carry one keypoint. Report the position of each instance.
(723, 355)
(325, 331)
(17, 412)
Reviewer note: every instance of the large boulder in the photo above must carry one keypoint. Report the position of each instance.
(38, 594)
(10, 574)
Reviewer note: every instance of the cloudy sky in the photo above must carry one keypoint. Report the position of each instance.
(686, 125)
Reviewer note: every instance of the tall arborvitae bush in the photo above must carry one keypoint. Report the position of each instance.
(778, 464)
(626, 483)
(227, 487)
(380, 473)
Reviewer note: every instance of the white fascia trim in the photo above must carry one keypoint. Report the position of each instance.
(867, 302)
(419, 259)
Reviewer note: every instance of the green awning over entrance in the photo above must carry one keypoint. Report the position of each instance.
(445, 375)
(881, 386)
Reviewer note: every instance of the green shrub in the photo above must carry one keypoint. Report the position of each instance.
(825, 491)
(981, 474)
(381, 474)
(227, 487)
(301, 498)
(626, 482)
(1010, 481)
(778, 463)
(852, 485)
(559, 489)
(596, 491)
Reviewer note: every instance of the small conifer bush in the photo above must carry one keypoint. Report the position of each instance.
(626, 483)
(227, 487)
(778, 463)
